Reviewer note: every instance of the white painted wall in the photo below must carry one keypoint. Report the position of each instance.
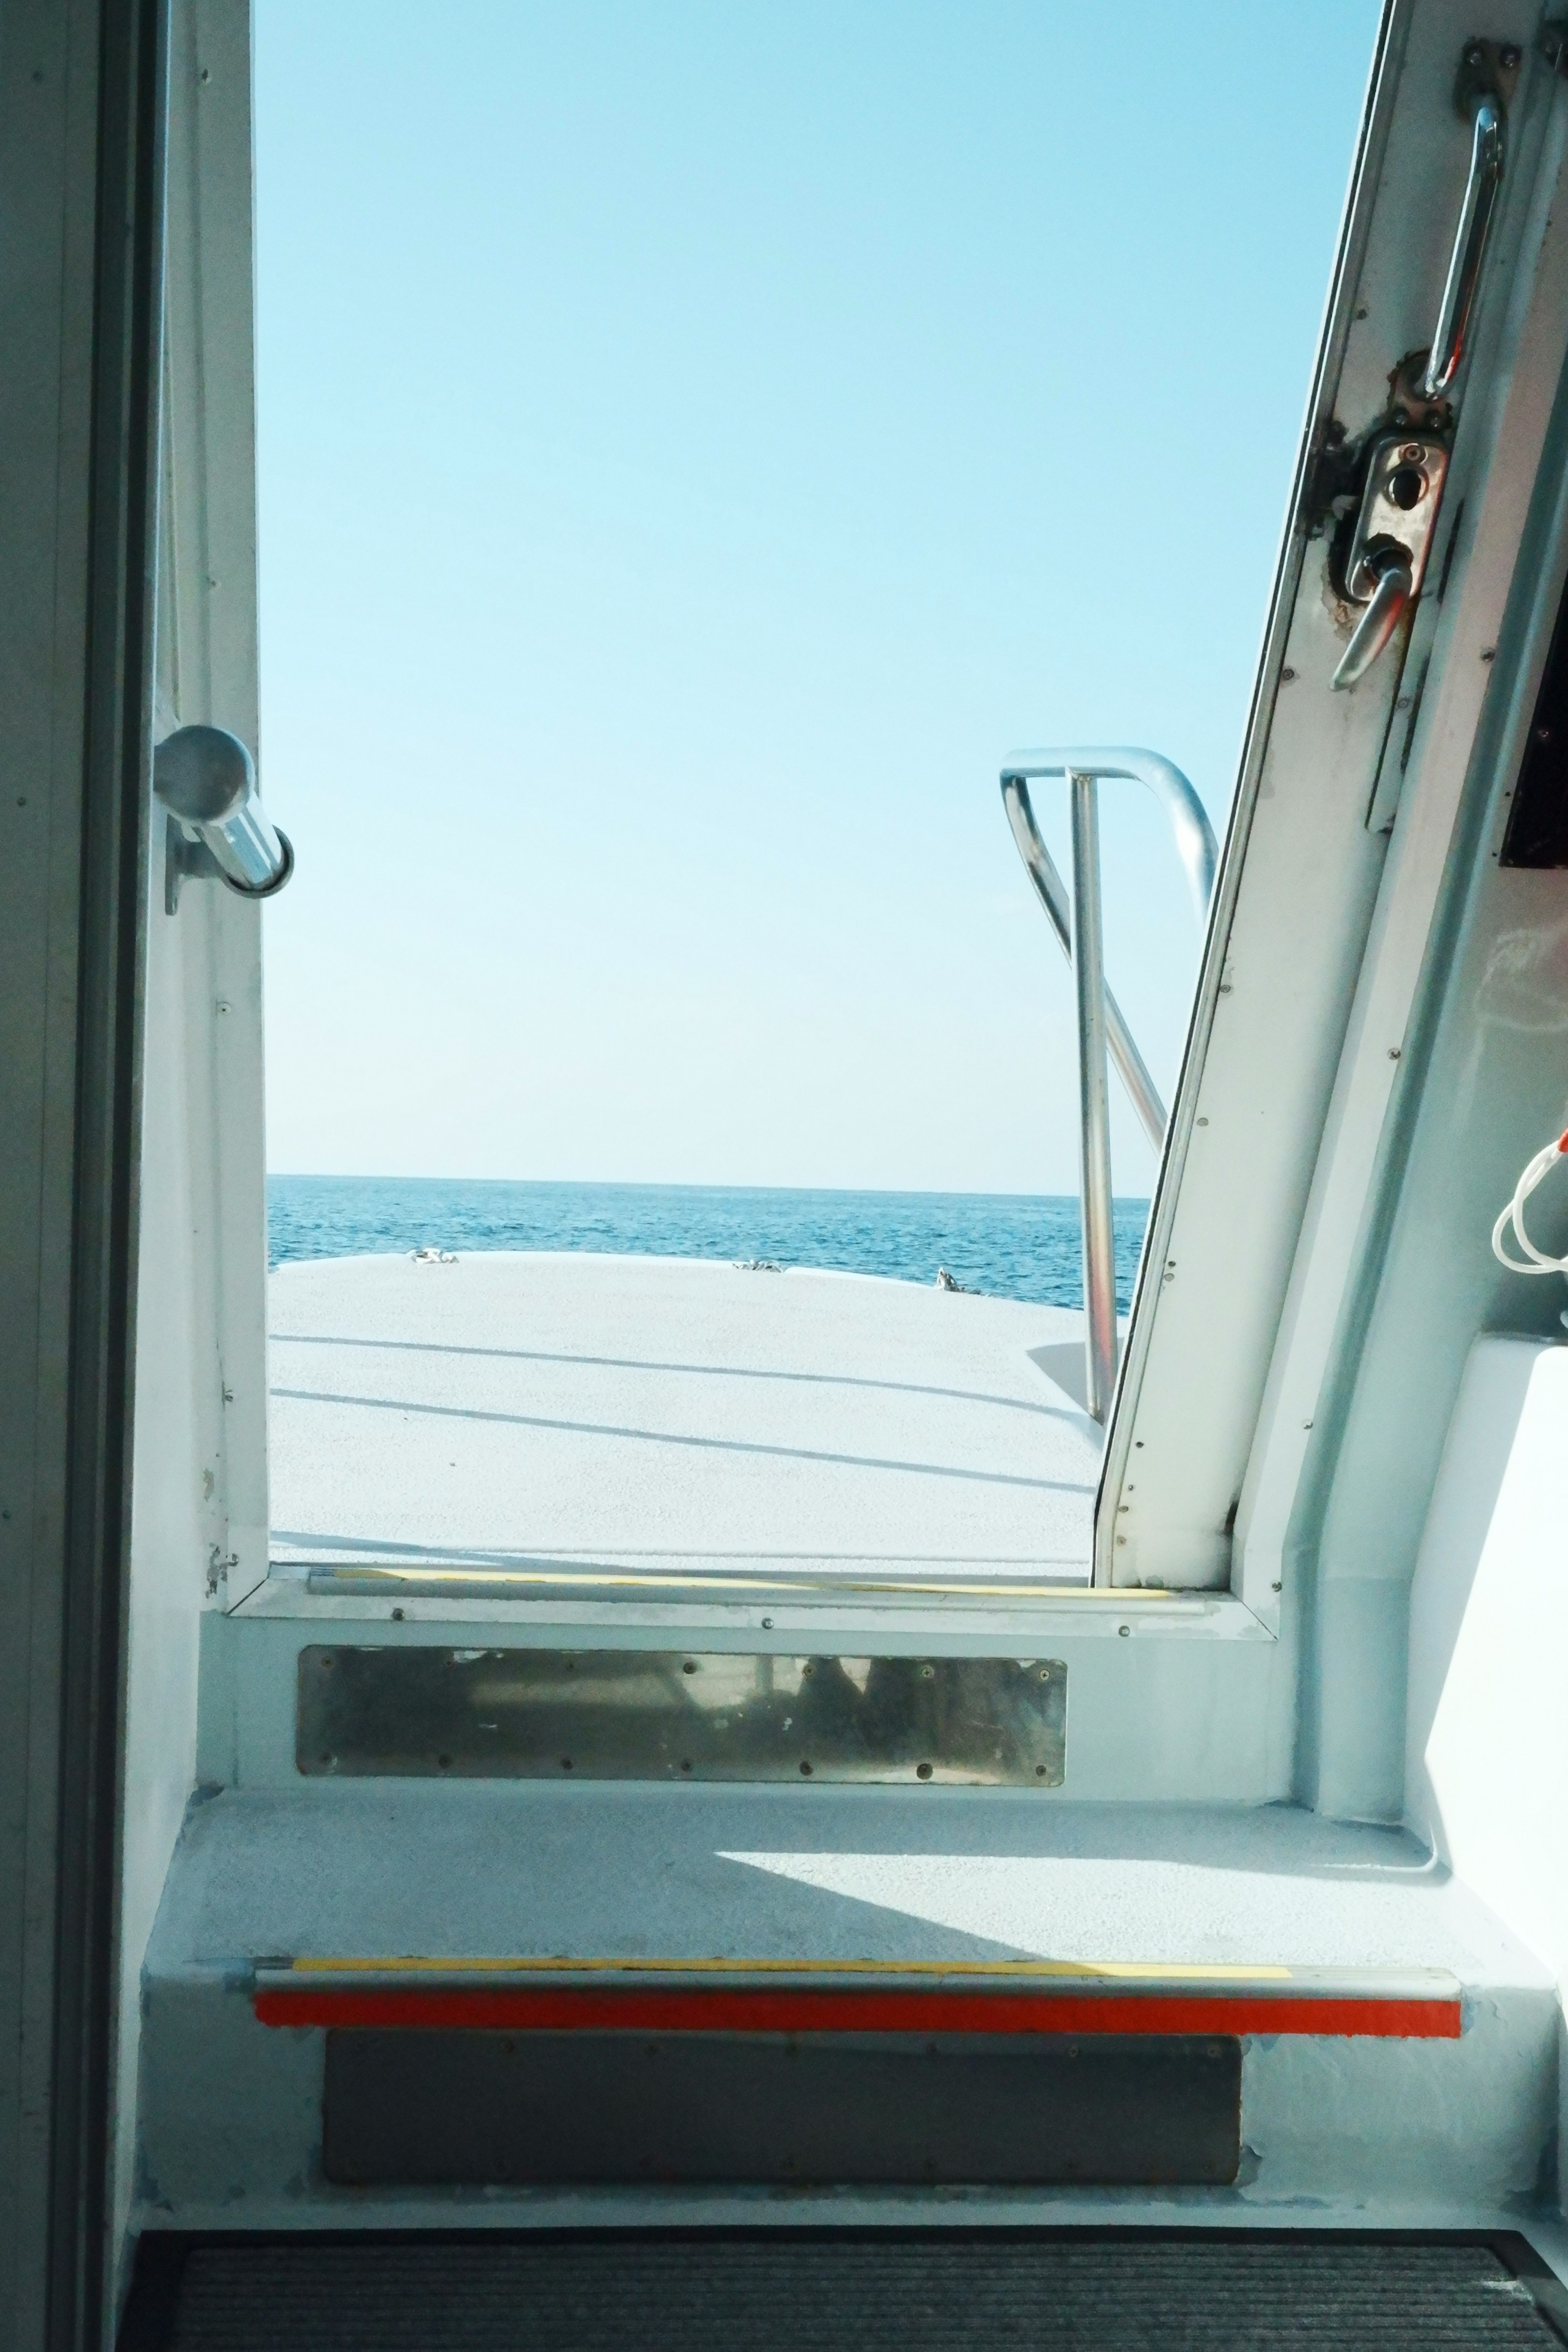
(1486, 1727)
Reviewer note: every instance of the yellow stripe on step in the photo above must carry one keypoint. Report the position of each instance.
(1154, 1971)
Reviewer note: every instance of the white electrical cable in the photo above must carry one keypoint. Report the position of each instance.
(1539, 1263)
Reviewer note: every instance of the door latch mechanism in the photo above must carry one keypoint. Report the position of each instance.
(1407, 461)
(1391, 539)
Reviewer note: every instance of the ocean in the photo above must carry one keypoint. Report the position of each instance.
(1007, 1245)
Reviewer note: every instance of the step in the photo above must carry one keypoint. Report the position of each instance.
(350, 1985)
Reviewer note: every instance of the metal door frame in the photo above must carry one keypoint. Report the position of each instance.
(81, 142)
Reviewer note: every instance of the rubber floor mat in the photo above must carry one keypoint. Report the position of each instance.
(789, 2291)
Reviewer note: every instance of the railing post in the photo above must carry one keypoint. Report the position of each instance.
(1095, 1100)
(1100, 1024)
(1048, 889)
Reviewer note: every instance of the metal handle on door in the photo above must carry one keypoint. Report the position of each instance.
(1391, 539)
(1395, 587)
(1407, 459)
(1487, 140)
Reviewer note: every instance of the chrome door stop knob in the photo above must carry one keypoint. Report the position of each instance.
(218, 829)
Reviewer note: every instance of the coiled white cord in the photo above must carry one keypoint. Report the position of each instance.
(1537, 1262)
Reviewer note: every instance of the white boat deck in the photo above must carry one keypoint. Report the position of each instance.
(556, 1419)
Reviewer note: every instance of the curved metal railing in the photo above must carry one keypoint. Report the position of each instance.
(1101, 1027)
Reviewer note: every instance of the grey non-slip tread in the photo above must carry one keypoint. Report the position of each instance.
(790, 2291)
(827, 1873)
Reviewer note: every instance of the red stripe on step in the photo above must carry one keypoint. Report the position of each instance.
(727, 2009)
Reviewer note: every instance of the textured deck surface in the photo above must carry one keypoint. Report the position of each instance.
(896, 1875)
(554, 1412)
(798, 2294)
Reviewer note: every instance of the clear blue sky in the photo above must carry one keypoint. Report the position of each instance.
(696, 442)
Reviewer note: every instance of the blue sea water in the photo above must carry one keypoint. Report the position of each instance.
(1008, 1245)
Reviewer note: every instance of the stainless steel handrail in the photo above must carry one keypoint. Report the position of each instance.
(1094, 1100)
(1194, 835)
(1487, 148)
(1051, 892)
(1100, 1023)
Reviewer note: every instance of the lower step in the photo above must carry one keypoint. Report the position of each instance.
(788, 2291)
(1396, 2052)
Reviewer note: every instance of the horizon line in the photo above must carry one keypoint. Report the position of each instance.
(665, 1184)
